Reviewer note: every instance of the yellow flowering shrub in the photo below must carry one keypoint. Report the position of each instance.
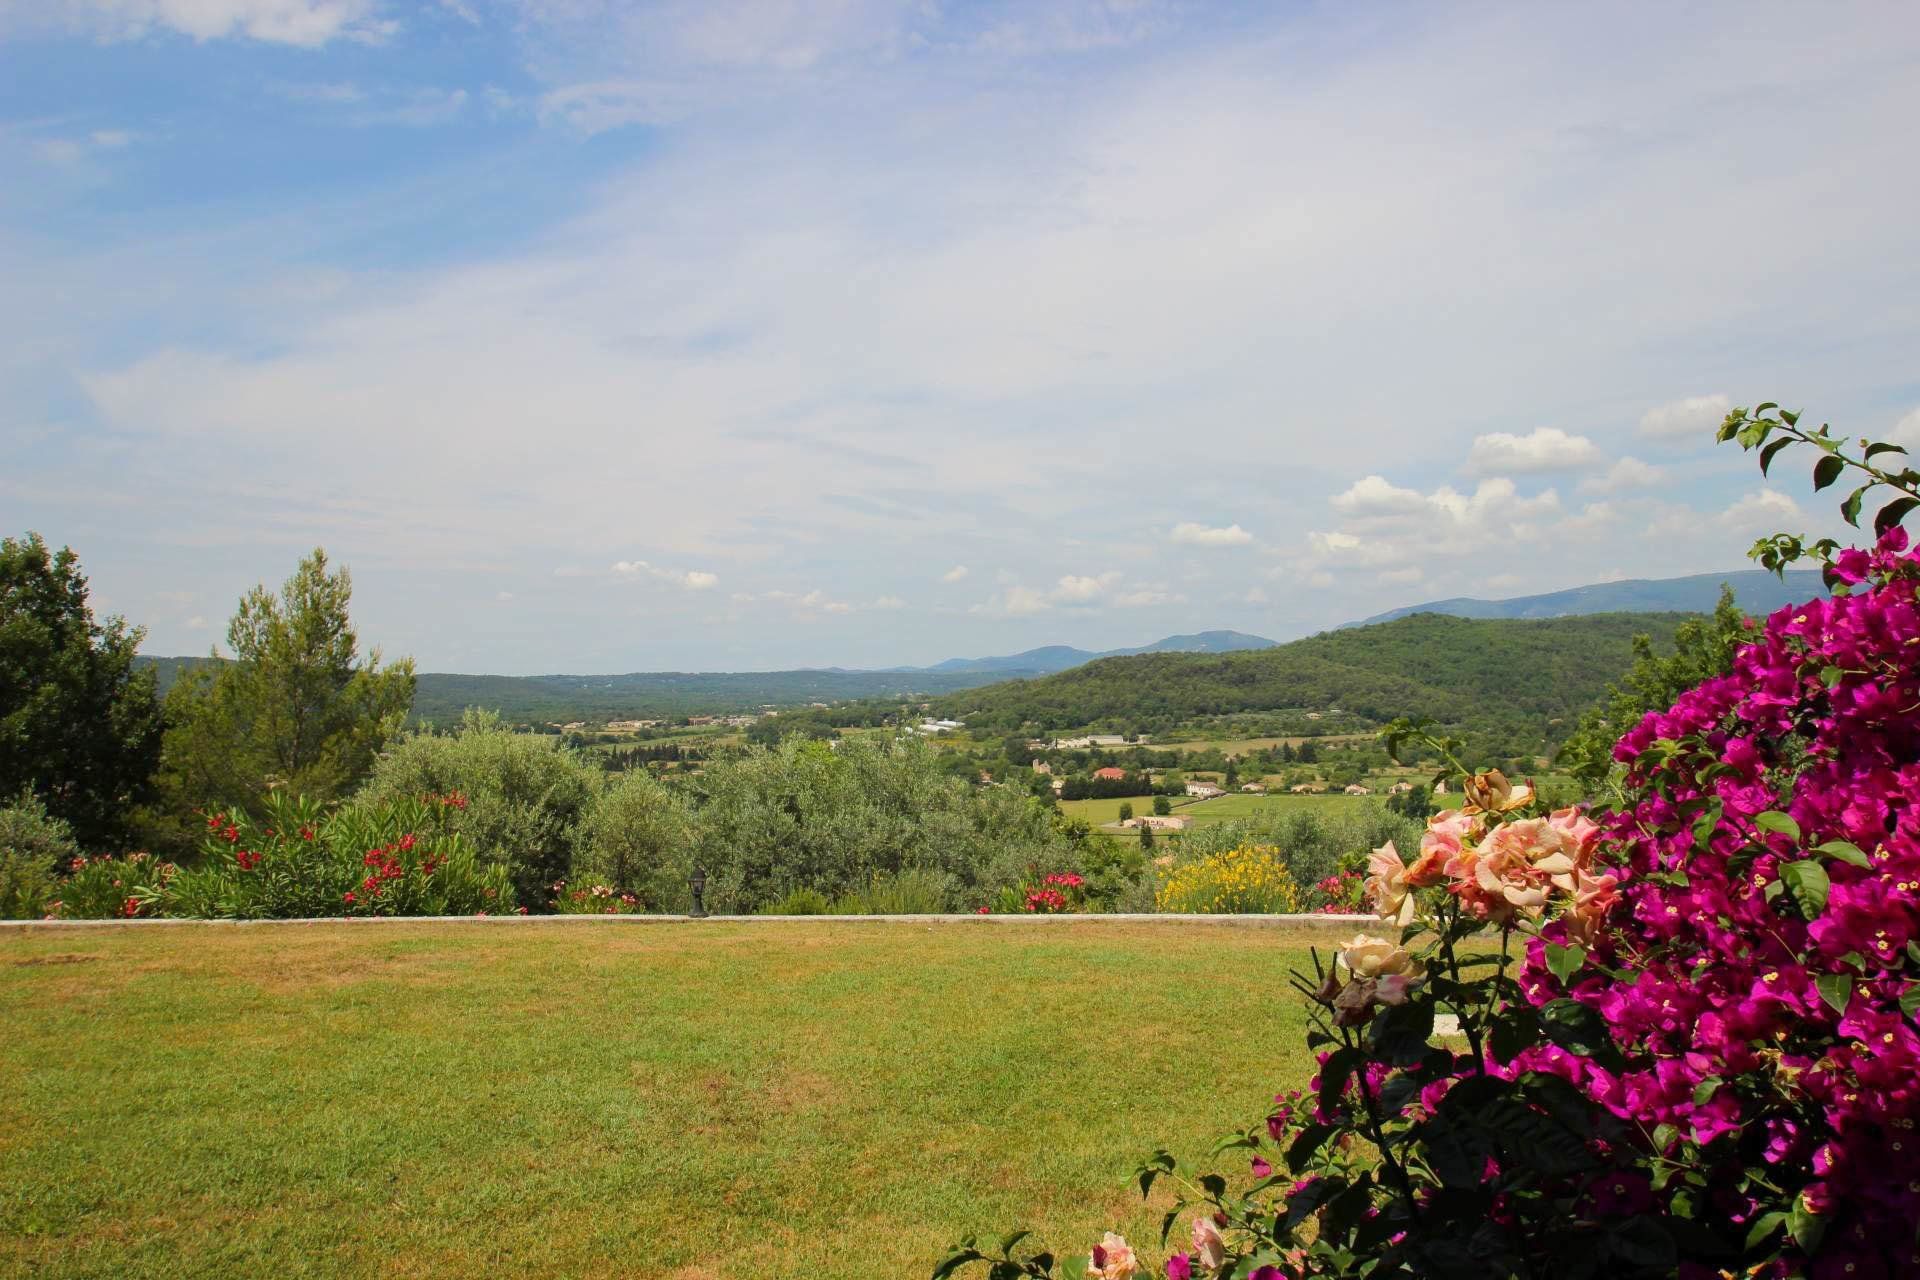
(1251, 879)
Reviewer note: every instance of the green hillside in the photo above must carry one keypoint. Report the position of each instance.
(1459, 670)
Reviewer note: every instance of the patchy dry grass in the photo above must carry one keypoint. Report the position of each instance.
(708, 1102)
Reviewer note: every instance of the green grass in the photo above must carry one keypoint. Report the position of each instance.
(1220, 809)
(690, 1102)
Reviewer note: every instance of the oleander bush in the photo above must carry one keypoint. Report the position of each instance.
(298, 861)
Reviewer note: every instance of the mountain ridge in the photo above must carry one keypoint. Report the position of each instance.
(1756, 591)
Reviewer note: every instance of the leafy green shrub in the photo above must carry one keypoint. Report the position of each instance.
(639, 838)
(913, 892)
(527, 798)
(800, 902)
(396, 859)
(33, 846)
(1314, 841)
(807, 816)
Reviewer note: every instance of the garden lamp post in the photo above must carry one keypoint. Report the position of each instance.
(698, 883)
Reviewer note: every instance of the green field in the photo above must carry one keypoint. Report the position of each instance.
(594, 1100)
(1221, 809)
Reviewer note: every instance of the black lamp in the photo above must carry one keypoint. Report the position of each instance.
(698, 883)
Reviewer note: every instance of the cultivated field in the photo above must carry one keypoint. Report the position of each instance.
(591, 1100)
(1221, 809)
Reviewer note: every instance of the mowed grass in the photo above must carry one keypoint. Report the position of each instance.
(1220, 809)
(593, 1100)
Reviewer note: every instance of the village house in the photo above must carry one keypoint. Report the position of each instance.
(1306, 788)
(1355, 789)
(1110, 774)
(1159, 822)
(1204, 790)
(1041, 766)
(1254, 788)
(1399, 788)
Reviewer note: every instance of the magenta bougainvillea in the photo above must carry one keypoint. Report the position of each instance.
(1760, 975)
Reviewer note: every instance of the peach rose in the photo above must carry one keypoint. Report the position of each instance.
(1387, 887)
(1366, 956)
(1209, 1246)
(1112, 1259)
(1490, 792)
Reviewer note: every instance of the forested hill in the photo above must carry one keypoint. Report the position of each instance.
(1460, 670)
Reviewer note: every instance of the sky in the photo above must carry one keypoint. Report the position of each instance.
(599, 335)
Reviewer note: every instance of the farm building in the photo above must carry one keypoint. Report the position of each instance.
(1159, 822)
(1204, 790)
(1355, 789)
(1110, 774)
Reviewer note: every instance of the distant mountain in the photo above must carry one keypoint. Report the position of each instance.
(441, 696)
(1755, 590)
(1059, 657)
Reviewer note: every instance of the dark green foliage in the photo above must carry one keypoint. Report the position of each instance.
(34, 848)
(80, 725)
(1702, 648)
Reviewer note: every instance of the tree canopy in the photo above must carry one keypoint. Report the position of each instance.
(80, 724)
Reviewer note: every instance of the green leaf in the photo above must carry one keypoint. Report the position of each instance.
(1011, 1239)
(954, 1261)
(1575, 1027)
(1826, 471)
(1764, 1226)
(1805, 1226)
(1564, 962)
(1807, 881)
(1892, 514)
(1850, 509)
(1831, 675)
(1772, 451)
(1779, 823)
(1708, 821)
(1845, 851)
(1910, 999)
(1836, 989)
(1705, 1090)
(1310, 1140)
(1879, 447)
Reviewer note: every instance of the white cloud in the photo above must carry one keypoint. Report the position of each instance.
(809, 603)
(1082, 588)
(1375, 496)
(692, 579)
(955, 574)
(888, 602)
(1906, 431)
(1627, 474)
(307, 23)
(1542, 449)
(503, 596)
(1147, 598)
(196, 623)
(1024, 600)
(1200, 535)
(1400, 577)
(1694, 416)
(1764, 511)
(1255, 595)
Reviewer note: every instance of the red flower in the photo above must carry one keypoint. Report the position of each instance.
(131, 907)
(406, 843)
(232, 833)
(348, 896)
(306, 833)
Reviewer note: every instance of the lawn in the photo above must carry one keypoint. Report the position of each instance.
(1220, 809)
(589, 1100)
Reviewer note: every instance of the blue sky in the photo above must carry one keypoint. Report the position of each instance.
(739, 334)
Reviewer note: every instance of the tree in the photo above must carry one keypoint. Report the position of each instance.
(638, 838)
(1703, 648)
(1146, 836)
(80, 724)
(296, 707)
(1162, 806)
(1126, 810)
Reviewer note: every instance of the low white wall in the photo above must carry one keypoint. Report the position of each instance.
(1333, 923)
